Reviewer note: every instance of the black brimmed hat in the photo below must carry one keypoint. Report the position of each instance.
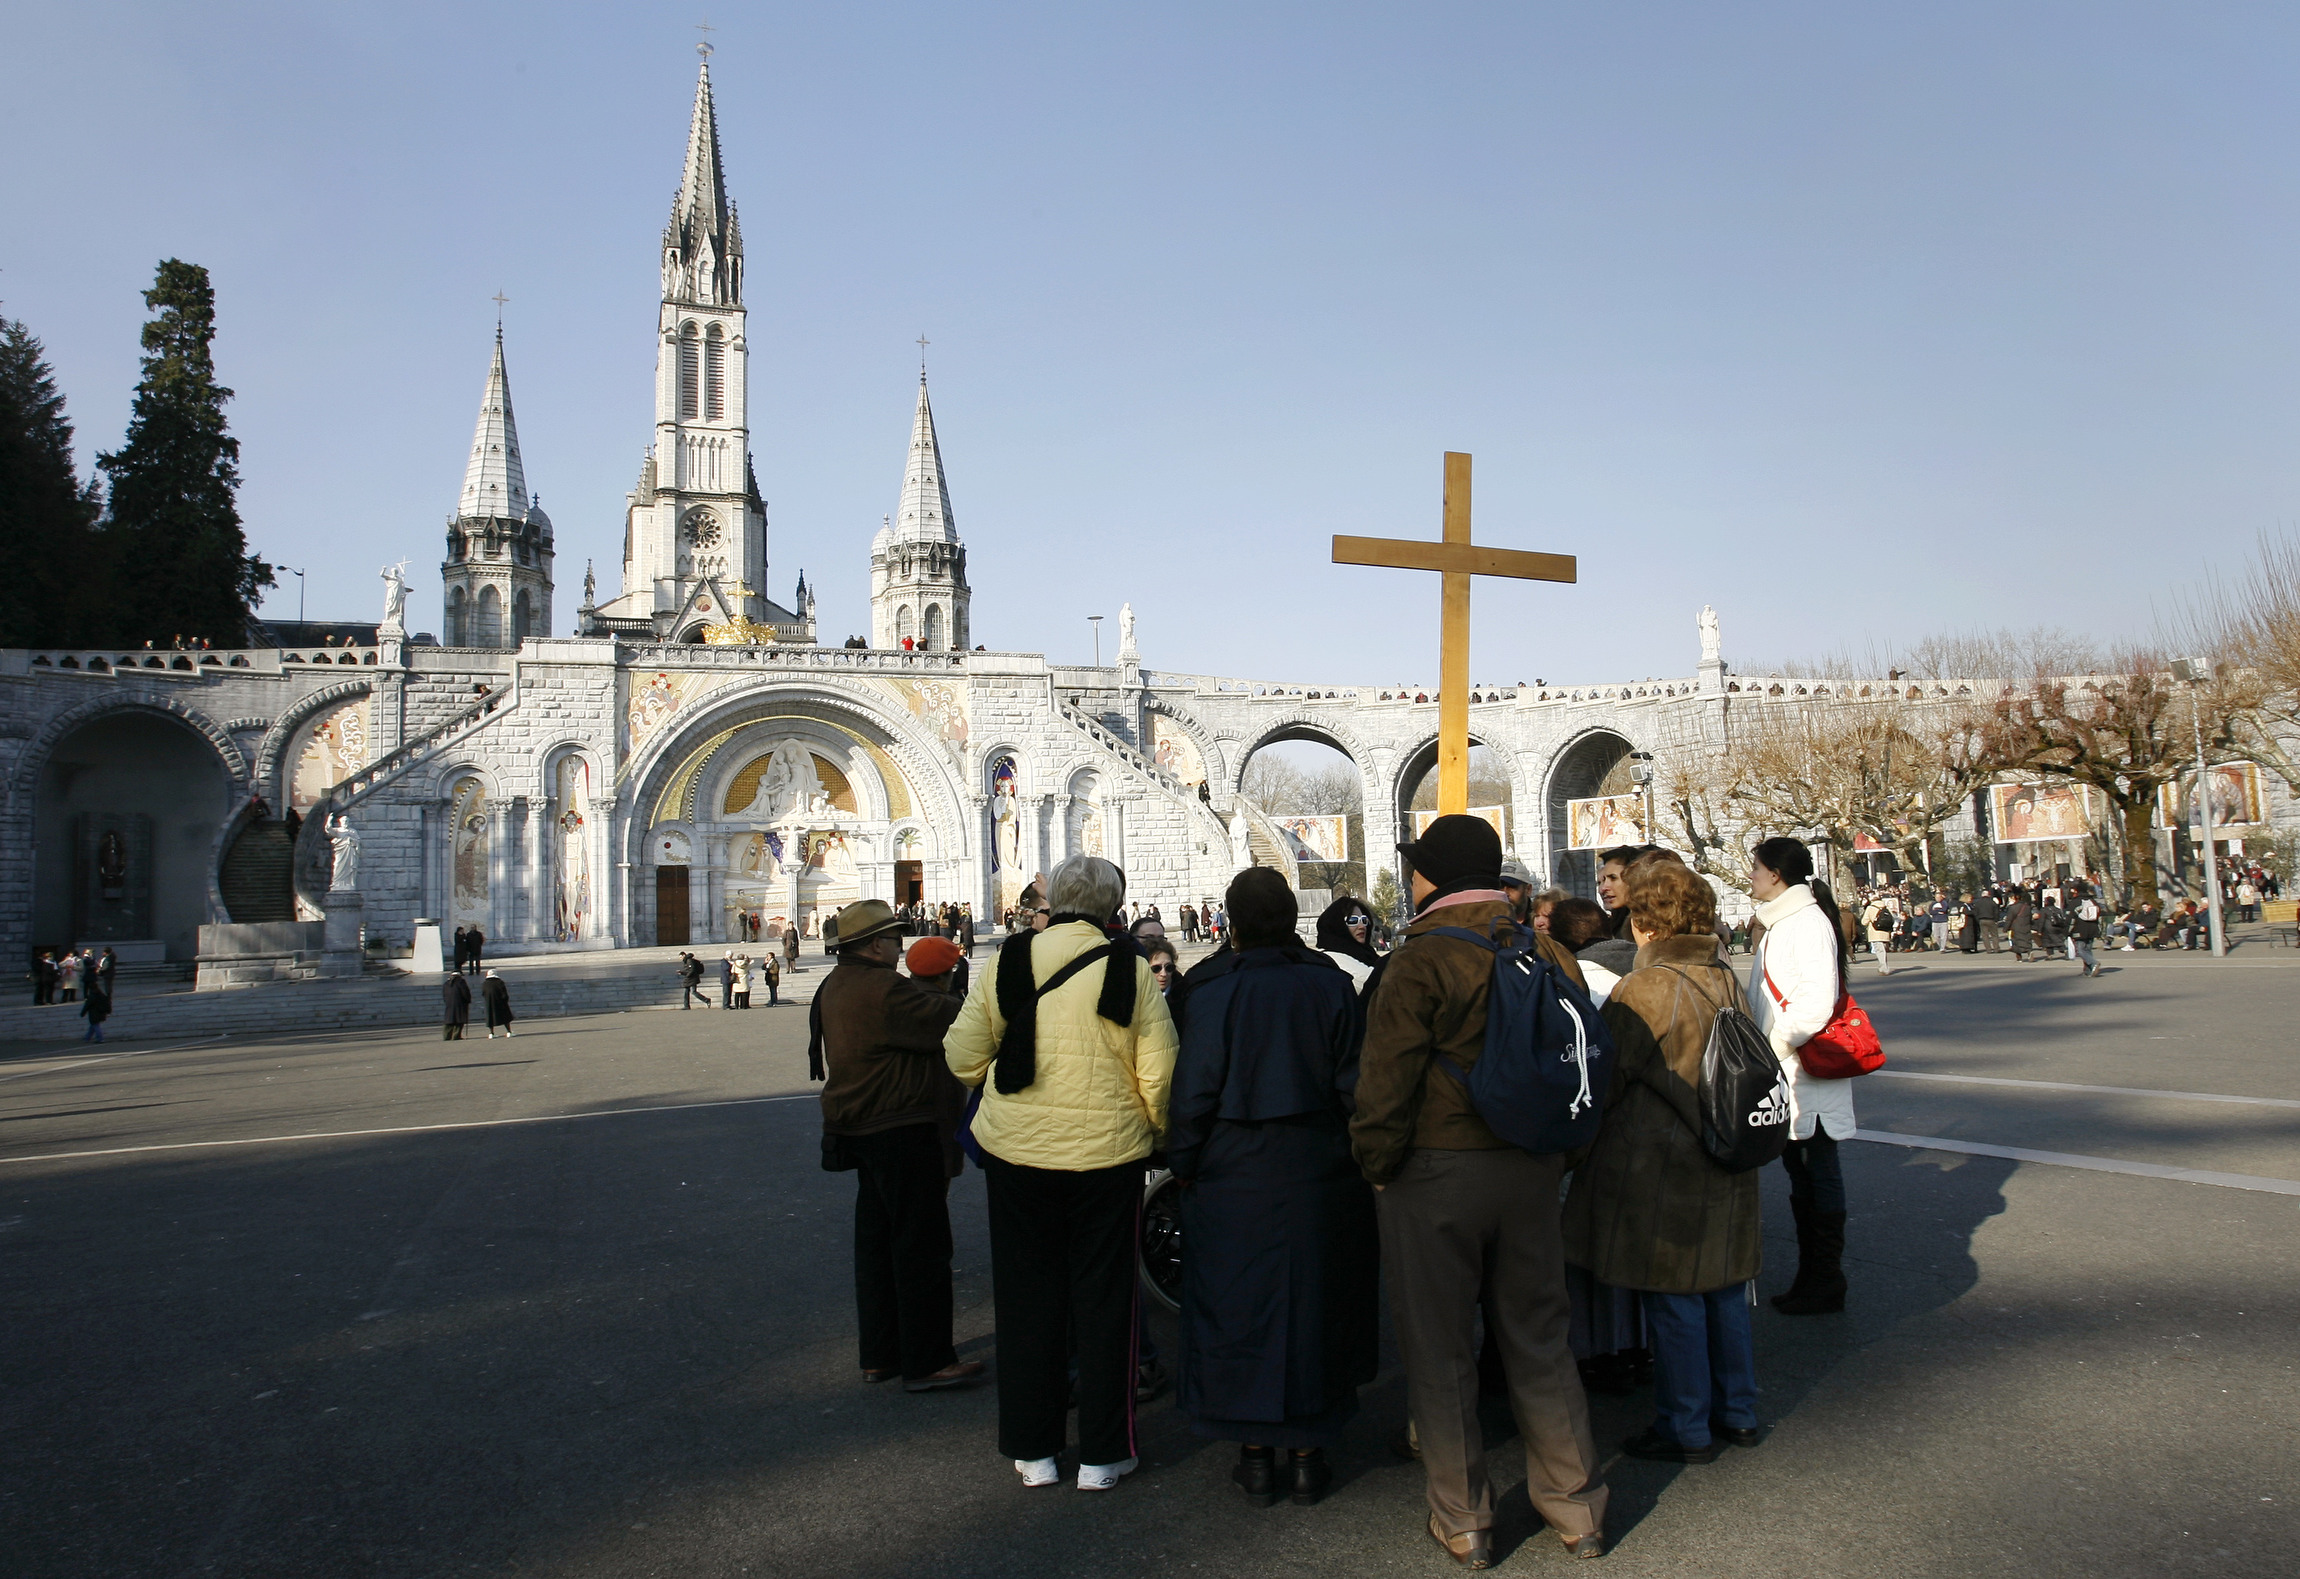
(1455, 847)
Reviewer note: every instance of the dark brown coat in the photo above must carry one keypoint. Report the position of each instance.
(1648, 1209)
(882, 1047)
(1429, 998)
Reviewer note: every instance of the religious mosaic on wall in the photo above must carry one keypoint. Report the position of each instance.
(574, 907)
(336, 748)
(941, 707)
(467, 901)
(1175, 751)
(656, 697)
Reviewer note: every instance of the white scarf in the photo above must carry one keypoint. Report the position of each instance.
(1783, 905)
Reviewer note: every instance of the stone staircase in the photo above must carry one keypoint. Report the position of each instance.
(1265, 843)
(1209, 826)
(310, 865)
(258, 876)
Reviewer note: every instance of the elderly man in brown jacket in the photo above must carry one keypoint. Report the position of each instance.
(1465, 1214)
(877, 1047)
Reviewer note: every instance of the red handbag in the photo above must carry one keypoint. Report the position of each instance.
(1845, 1047)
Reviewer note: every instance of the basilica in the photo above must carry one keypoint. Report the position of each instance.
(688, 761)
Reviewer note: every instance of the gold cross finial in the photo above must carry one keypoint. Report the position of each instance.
(1457, 559)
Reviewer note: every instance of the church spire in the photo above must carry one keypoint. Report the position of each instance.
(494, 482)
(703, 244)
(925, 512)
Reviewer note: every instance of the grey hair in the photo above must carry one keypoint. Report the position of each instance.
(1086, 885)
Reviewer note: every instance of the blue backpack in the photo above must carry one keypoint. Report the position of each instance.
(1540, 1083)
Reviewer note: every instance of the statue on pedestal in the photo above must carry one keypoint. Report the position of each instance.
(394, 594)
(343, 839)
(1712, 643)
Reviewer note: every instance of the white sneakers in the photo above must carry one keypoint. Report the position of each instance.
(1091, 1477)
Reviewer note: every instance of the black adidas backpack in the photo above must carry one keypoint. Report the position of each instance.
(1744, 1095)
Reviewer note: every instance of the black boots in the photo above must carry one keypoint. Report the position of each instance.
(1304, 1476)
(1310, 1475)
(1820, 1286)
(1257, 1475)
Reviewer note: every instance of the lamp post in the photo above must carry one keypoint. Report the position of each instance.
(291, 570)
(1641, 773)
(2194, 672)
(1095, 620)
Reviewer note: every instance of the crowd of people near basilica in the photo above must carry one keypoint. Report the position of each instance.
(1321, 1109)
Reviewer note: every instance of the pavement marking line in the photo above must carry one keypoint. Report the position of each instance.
(2114, 1091)
(2064, 1159)
(105, 1058)
(410, 1129)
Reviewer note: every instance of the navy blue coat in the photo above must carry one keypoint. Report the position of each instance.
(1280, 1275)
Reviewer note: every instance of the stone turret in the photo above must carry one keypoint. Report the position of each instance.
(496, 579)
(917, 563)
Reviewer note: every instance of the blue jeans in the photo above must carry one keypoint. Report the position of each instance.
(1704, 1363)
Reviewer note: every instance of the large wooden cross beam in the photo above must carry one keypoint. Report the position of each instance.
(1456, 559)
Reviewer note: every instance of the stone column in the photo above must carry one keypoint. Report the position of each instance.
(1042, 838)
(713, 848)
(502, 903)
(543, 841)
(609, 877)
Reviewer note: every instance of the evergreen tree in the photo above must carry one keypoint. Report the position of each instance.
(49, 565)
(182, 562)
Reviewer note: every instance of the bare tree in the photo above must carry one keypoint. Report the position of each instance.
(2126, 732)
(1887, 768)
(2252, 633)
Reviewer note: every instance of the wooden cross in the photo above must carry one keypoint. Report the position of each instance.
(1456, 559)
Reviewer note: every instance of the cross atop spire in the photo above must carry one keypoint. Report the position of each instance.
(494, 482)
(925, 510)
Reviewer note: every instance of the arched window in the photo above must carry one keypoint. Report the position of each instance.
(489, 632)
(715, 375)
(933, 642)
(902, 625)
(522, 617)
(456, 619)
(690, 374)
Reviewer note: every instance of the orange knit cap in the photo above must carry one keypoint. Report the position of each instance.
(933, 956)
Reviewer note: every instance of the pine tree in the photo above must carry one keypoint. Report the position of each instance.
(49, 549)
(182, 562)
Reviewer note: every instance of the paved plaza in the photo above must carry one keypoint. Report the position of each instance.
(578, 1304)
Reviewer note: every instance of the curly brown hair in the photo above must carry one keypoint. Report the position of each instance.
(1668, 899)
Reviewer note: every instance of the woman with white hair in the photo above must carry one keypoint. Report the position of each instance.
(1073, 1050)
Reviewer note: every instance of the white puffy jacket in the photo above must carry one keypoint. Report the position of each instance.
(1793, 989)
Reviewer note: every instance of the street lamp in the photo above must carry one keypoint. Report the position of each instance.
(1095, 620)
(1641, 774)
(2193, 673)
(291, 570)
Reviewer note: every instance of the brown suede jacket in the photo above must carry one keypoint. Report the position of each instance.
(882, 1047)
(1430, 999)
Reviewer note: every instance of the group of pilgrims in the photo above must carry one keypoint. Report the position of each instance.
(1311, 1104)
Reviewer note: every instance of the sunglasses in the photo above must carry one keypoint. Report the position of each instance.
(1161, 967)
(1357, 921)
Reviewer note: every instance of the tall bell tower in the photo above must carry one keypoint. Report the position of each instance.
(695, 527)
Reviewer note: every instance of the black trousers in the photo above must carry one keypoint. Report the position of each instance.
(1063, 1250)
(902, 1251)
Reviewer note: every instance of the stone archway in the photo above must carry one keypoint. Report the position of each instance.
(126, 812)
(1593, 763)
(898, 775)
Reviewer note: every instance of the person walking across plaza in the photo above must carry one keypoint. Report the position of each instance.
(2020, 925)
(875, 1041)
(771, 971)
(1650, 1210)
(456, 996)
(1989, 912)
(496, 995)
(1281, 1286)
(1068, 1037)
(97, 1008)
(473, 942)
(691, 981)
(1464, 1215)
(1795, 982)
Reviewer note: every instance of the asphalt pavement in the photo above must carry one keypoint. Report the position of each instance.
(578, 1303)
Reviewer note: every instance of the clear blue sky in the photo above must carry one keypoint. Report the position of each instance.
(1858, 321)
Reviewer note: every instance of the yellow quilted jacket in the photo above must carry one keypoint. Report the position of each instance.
(1100, 1096)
